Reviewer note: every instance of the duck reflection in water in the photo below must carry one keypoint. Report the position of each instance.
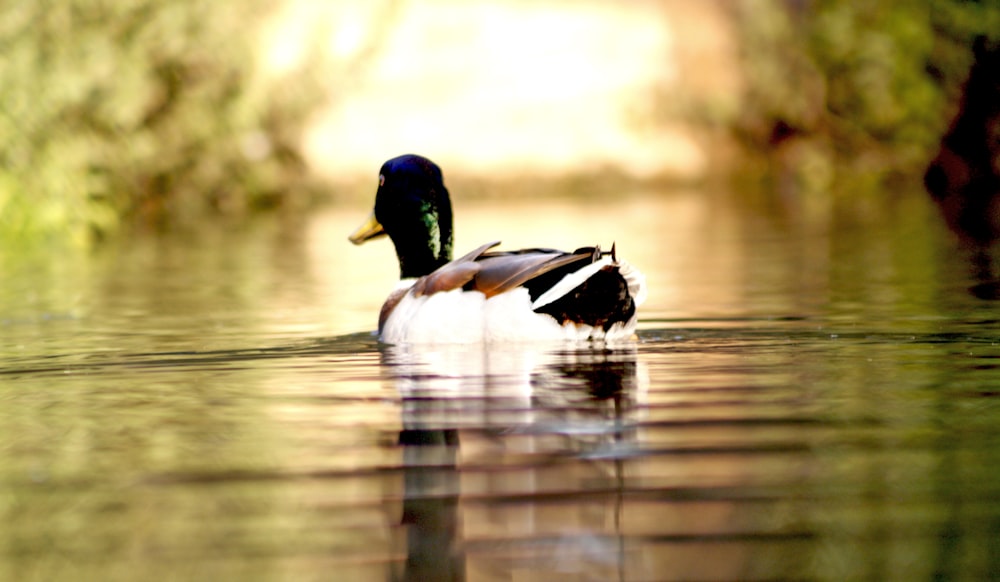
(430, 505)
(964, 178)
(480, 426)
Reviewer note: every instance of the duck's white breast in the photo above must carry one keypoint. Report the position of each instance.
(459, 316)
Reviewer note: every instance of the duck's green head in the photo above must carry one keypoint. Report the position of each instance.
(412, 206)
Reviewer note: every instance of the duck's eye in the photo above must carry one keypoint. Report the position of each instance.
(381, 180)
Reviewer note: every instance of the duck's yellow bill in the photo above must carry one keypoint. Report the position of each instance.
(369, 230)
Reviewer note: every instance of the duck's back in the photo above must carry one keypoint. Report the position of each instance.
(525, 295)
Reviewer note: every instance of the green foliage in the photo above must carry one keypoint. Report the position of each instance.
(863, 87)
(144, 108)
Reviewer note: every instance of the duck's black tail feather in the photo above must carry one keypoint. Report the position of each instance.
(600, 301)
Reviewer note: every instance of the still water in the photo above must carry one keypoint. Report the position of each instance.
(813, 394)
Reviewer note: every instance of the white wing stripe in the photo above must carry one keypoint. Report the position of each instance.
(570, 282)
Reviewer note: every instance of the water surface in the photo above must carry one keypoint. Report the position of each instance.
(810, 396)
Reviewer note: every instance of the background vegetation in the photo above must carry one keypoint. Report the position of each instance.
(148, 112)
(144, 110)
(841, 90)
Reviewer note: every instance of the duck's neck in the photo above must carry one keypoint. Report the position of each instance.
(413, 264)
(422, 255)
(422, 236)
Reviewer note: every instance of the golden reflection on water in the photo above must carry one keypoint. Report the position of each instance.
(217, 406)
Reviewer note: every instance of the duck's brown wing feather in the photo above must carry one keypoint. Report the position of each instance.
(452, 275)
(495, 273)
(503, 272)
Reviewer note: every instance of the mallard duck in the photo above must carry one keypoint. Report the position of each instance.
(522, 295)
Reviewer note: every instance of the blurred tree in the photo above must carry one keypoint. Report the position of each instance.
(146, 109)
(836, 84)
(964, 177)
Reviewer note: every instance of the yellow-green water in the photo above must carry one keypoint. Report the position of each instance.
(812, 395)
